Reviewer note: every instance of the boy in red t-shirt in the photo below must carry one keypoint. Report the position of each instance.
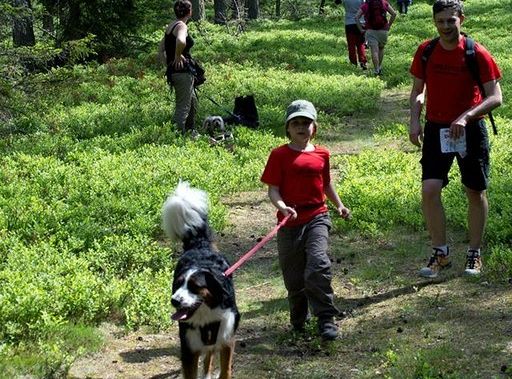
(298, 179)
(454, 129)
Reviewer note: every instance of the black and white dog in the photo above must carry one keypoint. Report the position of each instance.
(203, 297)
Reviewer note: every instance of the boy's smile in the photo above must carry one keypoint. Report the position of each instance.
(448, 24)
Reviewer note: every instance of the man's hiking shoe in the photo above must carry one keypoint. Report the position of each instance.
(327, 329)
(437, 262)
(473, 263)
(364, 66)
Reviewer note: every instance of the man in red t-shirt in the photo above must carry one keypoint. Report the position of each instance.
(454, 129)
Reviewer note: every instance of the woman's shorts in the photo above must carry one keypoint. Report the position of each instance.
(377, 38)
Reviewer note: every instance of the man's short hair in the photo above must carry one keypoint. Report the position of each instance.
(441, 5)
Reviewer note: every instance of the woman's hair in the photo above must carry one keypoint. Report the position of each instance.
(182, 8)
(441, 5)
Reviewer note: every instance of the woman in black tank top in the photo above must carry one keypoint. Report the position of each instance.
(177, 44)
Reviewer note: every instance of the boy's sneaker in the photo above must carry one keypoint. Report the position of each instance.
(437, 262)
(473, 263)
(327, 329)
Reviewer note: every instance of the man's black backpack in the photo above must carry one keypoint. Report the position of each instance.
(471, 62)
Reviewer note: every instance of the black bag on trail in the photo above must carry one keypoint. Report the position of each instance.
(245, 112)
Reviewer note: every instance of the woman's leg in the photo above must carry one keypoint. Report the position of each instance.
(183, 84)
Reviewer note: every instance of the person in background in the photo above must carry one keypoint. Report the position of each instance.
(454, 104)
(403, 6)
(355, 38)
(299, 181)
(377, 28)
(176, 45)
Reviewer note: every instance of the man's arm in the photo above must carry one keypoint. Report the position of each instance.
(493, 99)
(416, 100)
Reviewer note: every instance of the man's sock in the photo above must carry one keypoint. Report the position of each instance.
(443, 248)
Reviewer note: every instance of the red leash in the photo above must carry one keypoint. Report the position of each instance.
(258, 246)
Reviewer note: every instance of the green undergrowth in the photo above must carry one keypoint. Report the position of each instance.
(92, 154)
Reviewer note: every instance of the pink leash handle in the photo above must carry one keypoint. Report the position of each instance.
(258, 246)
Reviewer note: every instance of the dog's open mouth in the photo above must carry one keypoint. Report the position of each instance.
(183, 314)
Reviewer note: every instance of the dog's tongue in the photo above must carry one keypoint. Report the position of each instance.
(179, 315)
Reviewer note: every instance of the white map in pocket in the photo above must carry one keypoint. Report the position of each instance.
(450, 145)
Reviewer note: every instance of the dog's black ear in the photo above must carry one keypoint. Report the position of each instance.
(217, 285)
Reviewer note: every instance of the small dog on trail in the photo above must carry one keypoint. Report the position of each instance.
(204, 298)
(214, 126)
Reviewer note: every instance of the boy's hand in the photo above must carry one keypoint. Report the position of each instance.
(289, 210)
(416, 134)
(344, 213)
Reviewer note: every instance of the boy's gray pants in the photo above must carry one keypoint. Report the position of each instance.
(186, 101)
(306, 269)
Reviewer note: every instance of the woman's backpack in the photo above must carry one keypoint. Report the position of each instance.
(376, 15)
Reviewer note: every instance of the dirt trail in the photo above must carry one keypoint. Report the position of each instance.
(392, 316)
(139, 355)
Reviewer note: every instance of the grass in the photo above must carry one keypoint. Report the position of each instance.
(89, 161)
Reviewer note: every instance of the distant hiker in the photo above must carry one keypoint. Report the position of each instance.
(403, 6)
(377, 28)
(355, 37)
(177, 44)
(454, 129)
(299, 181)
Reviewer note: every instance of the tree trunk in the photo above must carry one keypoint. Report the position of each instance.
(197, 10)
(322, 5)
(253, 9)
(238, 10)
(278, 8)
(23, 27)
(219, 7)
(72, 22)
(48, 23)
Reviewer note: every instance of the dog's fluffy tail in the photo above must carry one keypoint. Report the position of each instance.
(185, 213)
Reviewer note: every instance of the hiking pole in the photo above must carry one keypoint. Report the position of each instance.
(258, 246)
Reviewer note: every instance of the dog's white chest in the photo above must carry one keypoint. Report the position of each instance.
(210, 329)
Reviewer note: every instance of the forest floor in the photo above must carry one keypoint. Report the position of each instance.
(393, 325)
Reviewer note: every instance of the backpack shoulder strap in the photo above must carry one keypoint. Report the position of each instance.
(472, 63)
(427, 52)
(469, 48)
